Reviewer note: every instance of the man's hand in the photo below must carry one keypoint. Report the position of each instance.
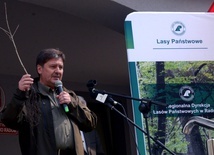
(64, 97)
(25, 82)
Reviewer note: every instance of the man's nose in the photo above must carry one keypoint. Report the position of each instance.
(57, 70)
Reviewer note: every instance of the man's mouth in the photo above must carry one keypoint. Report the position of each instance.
(56, 77)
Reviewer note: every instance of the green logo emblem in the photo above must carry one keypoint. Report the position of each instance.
(178, 28)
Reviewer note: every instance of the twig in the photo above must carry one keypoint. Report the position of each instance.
(11, 37)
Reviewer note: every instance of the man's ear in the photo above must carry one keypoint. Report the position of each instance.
(39, 69)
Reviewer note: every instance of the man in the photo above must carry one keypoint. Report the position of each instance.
(36, 111)
(92, 143)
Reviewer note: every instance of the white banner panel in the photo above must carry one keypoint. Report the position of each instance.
(161, 36)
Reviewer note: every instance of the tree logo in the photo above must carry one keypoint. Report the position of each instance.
(178, 28)
(186, 93)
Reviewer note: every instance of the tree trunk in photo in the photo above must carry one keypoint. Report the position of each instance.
(161, 133)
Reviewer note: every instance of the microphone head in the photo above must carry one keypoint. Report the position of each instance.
(58, 83)
(91, 83)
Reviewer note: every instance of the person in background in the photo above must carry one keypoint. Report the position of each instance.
(91, 142)
(36, 111)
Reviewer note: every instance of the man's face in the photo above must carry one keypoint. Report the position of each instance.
(51, 72)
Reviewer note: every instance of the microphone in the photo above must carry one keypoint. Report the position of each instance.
(59, 89)
(100, 96)
(91, 84)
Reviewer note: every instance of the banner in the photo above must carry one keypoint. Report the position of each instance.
(170, 58)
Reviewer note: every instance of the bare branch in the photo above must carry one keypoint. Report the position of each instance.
(5, 31)
(11, 35)
(15, 30)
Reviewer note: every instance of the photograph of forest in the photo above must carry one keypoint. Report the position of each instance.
(187, 89)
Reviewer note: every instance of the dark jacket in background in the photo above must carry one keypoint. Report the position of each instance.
(94, 146)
